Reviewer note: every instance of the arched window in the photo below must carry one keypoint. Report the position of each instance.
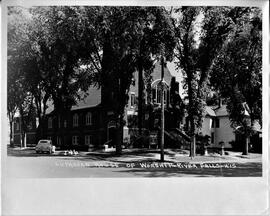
(132, 99)
(75, 120)
(156, 92)
(88, 118)
(50, 122)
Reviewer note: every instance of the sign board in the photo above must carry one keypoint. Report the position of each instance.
(153, 138)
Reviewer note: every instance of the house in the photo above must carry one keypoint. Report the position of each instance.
(208, 123)
(216, 124)
(152, 103)
(83, 126)
(30, 134)
(91, 123)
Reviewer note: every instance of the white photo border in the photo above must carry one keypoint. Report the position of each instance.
(136, 196)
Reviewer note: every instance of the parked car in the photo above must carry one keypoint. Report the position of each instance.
(45, 146)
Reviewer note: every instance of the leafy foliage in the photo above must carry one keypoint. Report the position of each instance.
(62, 48)
(58, 52)
(66, 49)
(240, 65)
(132, 38)
(19, 63)
(203, 33)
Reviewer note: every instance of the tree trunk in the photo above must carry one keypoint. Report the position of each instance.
(40, 128)
(119, 139)
(43, 116)
(192, 146)
(23, 144)
(11, 141)
(192, 138)
(22, 127)
(65, 117)
(191, 118)
(25, 140)
(245, 150)
(41, 123)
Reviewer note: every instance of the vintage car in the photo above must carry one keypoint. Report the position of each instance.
(45, 146)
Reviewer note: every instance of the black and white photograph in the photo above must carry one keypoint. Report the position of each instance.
(134, 92)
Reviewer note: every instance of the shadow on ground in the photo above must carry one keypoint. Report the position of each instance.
(30, 152)
(141, 152)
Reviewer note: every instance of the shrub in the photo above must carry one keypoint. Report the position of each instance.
(236, 146)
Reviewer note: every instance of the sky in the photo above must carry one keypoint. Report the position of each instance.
(178, 75)
(172, 66)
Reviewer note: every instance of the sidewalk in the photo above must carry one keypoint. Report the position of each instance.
(147, 155)
(175, 155)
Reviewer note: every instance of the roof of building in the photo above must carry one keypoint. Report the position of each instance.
(92, 99)
(93, 95)
(50, 107)
(209, 111)
(156, 75)
(256, 126)
(222, 111)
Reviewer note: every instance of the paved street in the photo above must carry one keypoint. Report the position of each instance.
(27, 164)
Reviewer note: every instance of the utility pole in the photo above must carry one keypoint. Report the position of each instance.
(140, 96)
(162, 110)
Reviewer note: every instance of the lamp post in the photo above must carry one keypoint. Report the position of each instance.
(162, 110)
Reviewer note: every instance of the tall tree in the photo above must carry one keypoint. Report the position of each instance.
(27, 113)
(66, 56)
(74, 47)
(186, 55)
(201, 32)
(24, 64)
(111, 42)
(132, 38)
(240, 65)
(19, 55)
(154, 31)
